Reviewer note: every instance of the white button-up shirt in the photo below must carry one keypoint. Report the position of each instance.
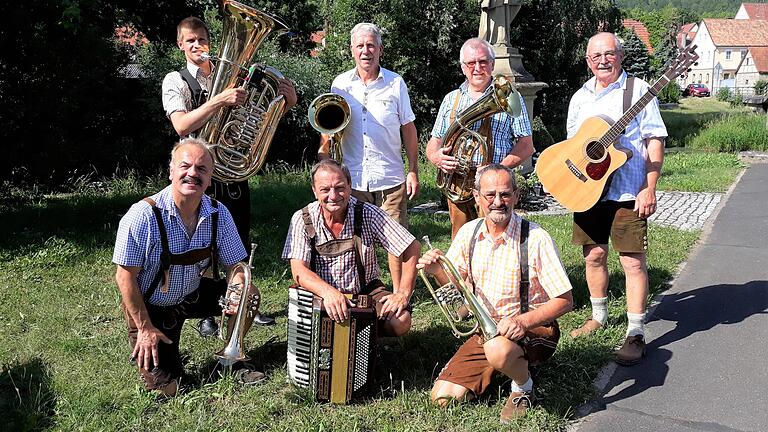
(176, 93)
(372, 145)
(629, 179)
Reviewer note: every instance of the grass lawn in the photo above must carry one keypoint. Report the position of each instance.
(64, 360)
(690, 115)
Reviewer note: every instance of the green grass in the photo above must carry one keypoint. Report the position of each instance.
(695, 171)
(64, 358)
(690, 116)
(738, 132)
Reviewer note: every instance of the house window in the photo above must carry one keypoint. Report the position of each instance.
(726, 76)
(707, 78)
(743, 53)
(746, 82)
(746, 62)
(727, 54)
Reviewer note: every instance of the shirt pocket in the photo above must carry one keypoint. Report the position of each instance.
(383, 109)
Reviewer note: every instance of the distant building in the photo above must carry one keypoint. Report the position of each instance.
(757, 11)
(752, 68)
(639, 29)
(134, 39)
(318, 38)
(686, 34)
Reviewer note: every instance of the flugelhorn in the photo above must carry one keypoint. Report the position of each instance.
(329, 114)
(454, 294)
(240, 136)
(246, 310)
(464, 142)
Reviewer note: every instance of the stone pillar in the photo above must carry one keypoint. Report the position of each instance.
(495, 20)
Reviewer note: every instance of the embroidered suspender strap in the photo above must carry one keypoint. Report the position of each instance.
(471, 251)
(310, 230)
(199, 95)
(165, 255)
(628, 93)
(358, 237)
(214, 242)
(525, 280)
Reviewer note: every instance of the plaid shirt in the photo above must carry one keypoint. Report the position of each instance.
(341, 271)
(505, 129)
(496, 266)
(138, 244)
(629, 179)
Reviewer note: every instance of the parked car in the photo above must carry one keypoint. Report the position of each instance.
(697, 90)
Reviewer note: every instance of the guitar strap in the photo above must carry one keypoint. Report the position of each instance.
(628, 93)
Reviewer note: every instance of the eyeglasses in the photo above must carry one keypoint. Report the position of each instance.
(505, 196)
(482, 62)
(609, 55)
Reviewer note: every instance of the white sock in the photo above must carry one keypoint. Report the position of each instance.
(635, 324)
(527, 387)
(599, 309)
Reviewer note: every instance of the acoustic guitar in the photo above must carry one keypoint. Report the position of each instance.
(577, 171)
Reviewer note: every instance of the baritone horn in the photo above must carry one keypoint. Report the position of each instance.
(246, 310)
(465, 143)
(240, 136)
(454, 294)
(329, 114)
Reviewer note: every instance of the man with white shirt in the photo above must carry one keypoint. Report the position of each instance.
(622, 213)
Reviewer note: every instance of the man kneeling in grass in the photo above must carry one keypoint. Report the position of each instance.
(164, 245)
(514, 270)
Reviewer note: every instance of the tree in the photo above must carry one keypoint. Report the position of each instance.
(636, 62)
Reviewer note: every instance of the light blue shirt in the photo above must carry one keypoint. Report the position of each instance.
(505, 129)
(138, 244)
(628, 180)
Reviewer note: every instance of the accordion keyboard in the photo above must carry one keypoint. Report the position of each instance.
(299, 336)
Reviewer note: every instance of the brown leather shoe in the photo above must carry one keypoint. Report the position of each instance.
(517, 405)
(166, 391)
(631, 352)
(588, 327)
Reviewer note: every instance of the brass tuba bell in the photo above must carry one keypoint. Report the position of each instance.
(329, 114)
(240, 135)
(464, 142)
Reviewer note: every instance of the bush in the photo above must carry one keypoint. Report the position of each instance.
(724, 94)
(735, 133)
(736, 99)
(541, 136)
(761, 87)
(670, 94)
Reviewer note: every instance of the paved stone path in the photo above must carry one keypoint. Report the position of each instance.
(683, 210)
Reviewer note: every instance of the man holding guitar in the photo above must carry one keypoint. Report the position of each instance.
(629, 199)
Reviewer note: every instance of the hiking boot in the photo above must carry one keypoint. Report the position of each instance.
(166, 391)
(207, 327)
(587, 328)
(517, 405)
(631, 352)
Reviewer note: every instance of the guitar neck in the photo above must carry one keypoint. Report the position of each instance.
(618, 128)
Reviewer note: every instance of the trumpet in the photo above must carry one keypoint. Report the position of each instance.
(453, 295)
(248, 305)
(329, 114)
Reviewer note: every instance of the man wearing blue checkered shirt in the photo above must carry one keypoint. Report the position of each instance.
(511, 136)
(156, 299)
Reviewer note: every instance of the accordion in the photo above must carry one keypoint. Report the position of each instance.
(335, 360)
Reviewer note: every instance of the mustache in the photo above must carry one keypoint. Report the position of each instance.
(192, 179)
(501, 207)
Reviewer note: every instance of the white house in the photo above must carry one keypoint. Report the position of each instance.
(752, 11)
(753, 67)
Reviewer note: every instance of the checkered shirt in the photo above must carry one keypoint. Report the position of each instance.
(176, 94)
(138, 244)
(341, 271)
(629, 179)
(496, 266)
(505, 129)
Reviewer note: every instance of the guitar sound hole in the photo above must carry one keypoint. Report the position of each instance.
(595, 151)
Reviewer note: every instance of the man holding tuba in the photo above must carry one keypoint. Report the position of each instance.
(487, 253)
(163, 246)
(188, 106)
(510, 136)
(380, 126)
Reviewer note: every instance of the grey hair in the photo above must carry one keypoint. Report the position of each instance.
(475, 43)
(616, 41)
(365, 28)
(495, 167)
(329, 164)
(197, 142)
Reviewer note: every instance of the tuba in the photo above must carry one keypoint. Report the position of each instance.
(464, 142)
(329, 114)
(451, 297)
(240, 135)
(246, 310)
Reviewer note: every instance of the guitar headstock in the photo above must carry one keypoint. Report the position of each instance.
(682, 63)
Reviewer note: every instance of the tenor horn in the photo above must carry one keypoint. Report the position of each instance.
(329, 114)
(247, 307)
(465, 143)
(240, 136)
(454, 294)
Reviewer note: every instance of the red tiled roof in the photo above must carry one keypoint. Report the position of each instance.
(733, 32)
(760, 57)
(756, 10)
(640, 31)
(130, 36)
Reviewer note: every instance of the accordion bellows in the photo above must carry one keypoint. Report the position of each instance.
(335, 360)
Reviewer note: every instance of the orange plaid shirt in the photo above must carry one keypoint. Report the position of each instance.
(496, 266)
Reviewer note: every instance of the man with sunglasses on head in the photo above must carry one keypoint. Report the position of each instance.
(513, 268)
(510, 136)
(630, 199)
